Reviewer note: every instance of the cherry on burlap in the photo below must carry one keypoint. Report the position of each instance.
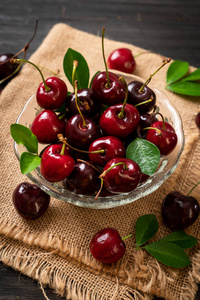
(55, 249)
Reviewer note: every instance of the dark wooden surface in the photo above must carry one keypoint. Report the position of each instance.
(168, 27)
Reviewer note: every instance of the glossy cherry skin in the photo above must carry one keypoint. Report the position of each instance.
(164, 139)
(83, 180)
(179, 211)
(79, 136)
(86, 101)
(107, 246)
(112, 124)
(122, 60)
(197, 120)
(111, 95)
(145, 121)
(112, 146)
(55, 166)
(46, 126)
(54, 98)
(6, 67)
(136, 97)
(121, 178)
(30, 201)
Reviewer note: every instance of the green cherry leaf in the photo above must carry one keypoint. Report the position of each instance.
(181, 239)
(24, 136)
(168, 253)
(193, 76)
(145, 228)
(82, 73)
(176, 71)
(28, 162)
(183, 87)
(145, 154)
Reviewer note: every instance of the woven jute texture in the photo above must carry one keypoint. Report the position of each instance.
(55, 249)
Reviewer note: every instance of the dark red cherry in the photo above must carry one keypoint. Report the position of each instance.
(197, 120)
(88, 105)
(107, 246)
(163, 136)
(54, 96)
(135, 96)
(122, 175)
(112, 146)
(83, 180)
(80, 135)
(30, 201)
(179, 211)
(112, 123)
(108, 93)
(122, 60)
(55, 165)
(46, 126)
(145, 121)
(6, 67)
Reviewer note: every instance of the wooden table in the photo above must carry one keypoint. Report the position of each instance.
(168, 27)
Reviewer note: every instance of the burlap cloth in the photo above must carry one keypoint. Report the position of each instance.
(55, 249)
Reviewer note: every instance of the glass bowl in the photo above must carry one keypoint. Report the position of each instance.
(166, 167)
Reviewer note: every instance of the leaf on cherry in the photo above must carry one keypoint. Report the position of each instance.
(176, 71)
(145, 228)
(24, 136)
(168, 253)
(183, 87)
(181, 239)
(145, 154)
(28, 162)
(82, 73)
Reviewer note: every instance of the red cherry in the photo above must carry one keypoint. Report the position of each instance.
(55, 96)
(113, 124)
(163, 136)
(54, 165)
(122, 60)
(121, 175)
(6, 67)
(112, 146)
(197, 120)
(30, 201)
(46, 126)
(107, 246)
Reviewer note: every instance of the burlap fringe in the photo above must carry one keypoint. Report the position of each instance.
(46, 274)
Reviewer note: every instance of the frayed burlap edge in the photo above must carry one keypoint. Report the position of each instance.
(33, 263)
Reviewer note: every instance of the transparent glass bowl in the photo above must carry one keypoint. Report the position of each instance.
(166, 167)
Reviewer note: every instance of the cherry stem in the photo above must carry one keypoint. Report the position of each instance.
(76, 101)
(101, 187)
(104, 59)
(164, 127)
(63, 149)
(63, 140)
(141, 103)
(89, 164)
(158, 130)
(104, 173)
(127, 236)
(17, 60)
(75, 65)
(25, 49)
(193, 188)
(141, 90)
(121, 114)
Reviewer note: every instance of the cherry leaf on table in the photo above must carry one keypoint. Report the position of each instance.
(28, 162)
(145, 228)
(145, 154)
(168, 253)
(181, 239)
(176, 71)
(193, 76)
(183, 87)
(82, 73)
(24, 136)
